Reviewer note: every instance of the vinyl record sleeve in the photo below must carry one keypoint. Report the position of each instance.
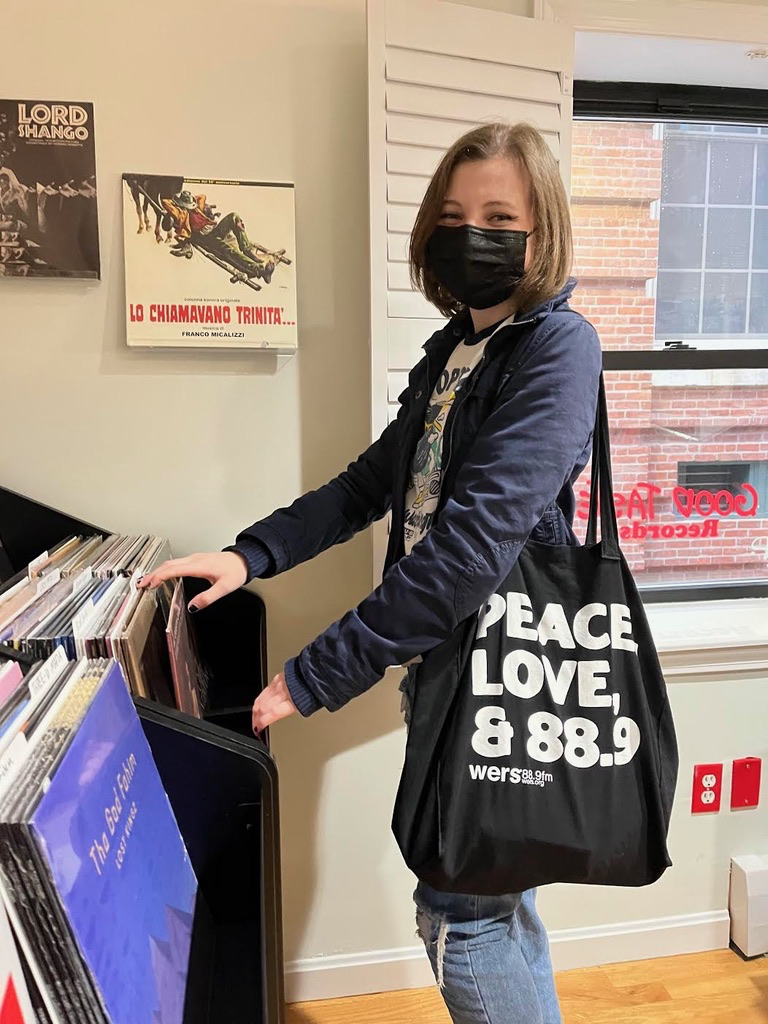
(118, 862)
(49, 223)
(224, 273)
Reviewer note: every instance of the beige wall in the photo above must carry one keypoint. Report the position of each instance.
(197, 446)
(716, 721)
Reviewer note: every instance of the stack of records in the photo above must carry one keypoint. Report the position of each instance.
(81, 597)
(94, 875)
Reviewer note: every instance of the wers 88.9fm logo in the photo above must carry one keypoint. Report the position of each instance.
(641, 504)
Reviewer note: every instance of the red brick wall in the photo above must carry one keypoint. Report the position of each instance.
(617, 173)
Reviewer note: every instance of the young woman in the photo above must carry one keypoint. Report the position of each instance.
(493, 429)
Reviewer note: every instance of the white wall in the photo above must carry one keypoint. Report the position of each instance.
(196, 446)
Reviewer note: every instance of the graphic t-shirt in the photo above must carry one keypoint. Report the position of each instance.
(427, 467)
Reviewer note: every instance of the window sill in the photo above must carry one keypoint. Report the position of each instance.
(719, 640)
(735, 377)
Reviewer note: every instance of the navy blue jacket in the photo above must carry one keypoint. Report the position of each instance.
(516, 439)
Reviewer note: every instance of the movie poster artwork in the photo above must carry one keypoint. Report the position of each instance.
(209, 263)
(48, 213)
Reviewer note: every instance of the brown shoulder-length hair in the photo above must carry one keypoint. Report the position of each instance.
(553, 253)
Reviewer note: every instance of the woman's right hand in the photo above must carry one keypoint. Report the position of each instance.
(224, 570)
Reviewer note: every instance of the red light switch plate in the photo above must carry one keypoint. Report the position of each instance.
(745, 784)
(707, 788)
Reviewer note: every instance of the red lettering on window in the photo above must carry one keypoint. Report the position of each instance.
(740, 501)
(669, 531)
(640, 505)
(704, 503)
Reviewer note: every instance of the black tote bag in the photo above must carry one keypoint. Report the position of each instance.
(541, 745)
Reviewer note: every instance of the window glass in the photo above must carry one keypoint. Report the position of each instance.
(735, 129)
(730, 172)
(725, 304)
(671, 250)
(759, 307)
(678, 299)
(681, 236)
(662, 212)
(713, 485)
(690, 463)
(685, 170)
(760, 253)
(761, 192)
(728, 232)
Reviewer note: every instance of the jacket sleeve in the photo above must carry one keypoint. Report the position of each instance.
(522, 457)
(321, 518)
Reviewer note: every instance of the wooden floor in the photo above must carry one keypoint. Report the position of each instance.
(707, 988)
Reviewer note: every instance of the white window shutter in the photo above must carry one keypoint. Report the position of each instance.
(435, 70)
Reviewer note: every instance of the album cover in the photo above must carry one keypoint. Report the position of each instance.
(189, 676)
(209, 263)
(107, 832)
(48, 213)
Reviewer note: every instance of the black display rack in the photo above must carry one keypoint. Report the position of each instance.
(222, 784)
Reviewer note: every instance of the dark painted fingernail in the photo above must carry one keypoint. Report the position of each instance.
(193, 608)
(139, 579)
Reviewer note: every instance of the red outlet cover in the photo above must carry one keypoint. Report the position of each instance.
(707, 788)
(745, 785)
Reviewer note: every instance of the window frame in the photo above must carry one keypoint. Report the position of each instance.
(641, 101)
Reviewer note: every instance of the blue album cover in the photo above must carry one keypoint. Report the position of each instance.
(106, 828)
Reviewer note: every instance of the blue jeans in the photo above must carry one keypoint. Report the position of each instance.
(490, 957)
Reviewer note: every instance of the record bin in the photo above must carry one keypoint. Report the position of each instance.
(221, 781)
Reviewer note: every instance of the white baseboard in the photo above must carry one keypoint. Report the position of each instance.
(639, 940)
(357, 974)
(387, 970)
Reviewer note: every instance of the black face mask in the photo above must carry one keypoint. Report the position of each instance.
(478, 266)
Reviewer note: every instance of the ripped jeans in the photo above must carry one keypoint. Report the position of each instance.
(490, 957)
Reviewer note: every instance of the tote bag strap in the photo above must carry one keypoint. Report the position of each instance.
(601, 503)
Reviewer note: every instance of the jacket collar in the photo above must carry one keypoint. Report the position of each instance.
(458, 325)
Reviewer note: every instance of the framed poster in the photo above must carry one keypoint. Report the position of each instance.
(209, 263)
(49, 223)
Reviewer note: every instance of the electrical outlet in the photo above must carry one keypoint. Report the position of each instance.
(707, 788)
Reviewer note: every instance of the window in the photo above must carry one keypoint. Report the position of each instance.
(676, 448)
(713, 232)
(671, 255)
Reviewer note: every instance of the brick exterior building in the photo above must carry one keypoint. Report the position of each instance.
(680, 522)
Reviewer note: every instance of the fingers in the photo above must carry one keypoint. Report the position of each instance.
(272, 705)
(219, 589)
(262, 718)
(173, 569)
